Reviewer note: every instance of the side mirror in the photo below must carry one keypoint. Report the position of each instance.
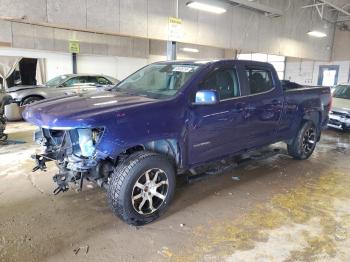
(206, 97)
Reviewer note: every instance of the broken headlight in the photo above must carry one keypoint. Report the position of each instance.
(88, 139)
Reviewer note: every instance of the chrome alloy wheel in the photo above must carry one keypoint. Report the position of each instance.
(309, 140)
(150, 191)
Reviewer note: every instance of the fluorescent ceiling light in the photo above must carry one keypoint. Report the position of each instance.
(191, 50)
(317, 34)
(205, 7)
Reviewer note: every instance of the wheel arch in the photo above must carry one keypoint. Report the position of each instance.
(314, 117)
(169, 147)
(30, 95)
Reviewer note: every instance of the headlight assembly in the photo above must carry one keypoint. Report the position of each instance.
(88, 138)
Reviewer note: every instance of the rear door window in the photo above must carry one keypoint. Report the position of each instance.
(259, 80)
(224, 81)
(100, 80)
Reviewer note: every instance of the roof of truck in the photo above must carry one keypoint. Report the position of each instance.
(213, 61)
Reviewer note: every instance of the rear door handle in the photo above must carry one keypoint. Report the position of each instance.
(250, 108)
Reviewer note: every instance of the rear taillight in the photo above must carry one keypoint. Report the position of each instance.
(330, 104)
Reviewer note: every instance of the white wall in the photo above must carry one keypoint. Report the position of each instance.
(58, 64)
(117, 67)
(341, 50)
(126, 66)
(306, 71)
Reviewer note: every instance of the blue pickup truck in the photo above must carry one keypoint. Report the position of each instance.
(172, 118)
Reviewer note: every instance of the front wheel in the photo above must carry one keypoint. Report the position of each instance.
(141, 187)
(303, 145)
(30, 100)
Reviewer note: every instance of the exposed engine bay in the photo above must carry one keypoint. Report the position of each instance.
(77, 158)
(74, 152)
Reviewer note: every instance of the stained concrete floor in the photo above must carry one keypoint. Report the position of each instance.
(279, 210)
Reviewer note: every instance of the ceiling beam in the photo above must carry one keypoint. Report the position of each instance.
(321, 4)
(341, 10)
(270, 11)
(343, 19)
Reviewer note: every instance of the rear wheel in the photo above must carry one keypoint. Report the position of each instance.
(141, 188)
(30, 100)
(303, 145)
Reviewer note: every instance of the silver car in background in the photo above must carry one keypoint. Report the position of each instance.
(60, 86)
(339, 117)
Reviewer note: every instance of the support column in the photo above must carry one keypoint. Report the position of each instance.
(74, 63)
(171, 50)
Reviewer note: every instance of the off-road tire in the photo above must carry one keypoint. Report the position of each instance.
(295, 149)
(123, 180)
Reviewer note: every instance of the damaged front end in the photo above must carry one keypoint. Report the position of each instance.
(76, 155)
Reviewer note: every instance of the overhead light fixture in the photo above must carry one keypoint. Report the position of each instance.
(190, 50)
(206, 7)
(317, 34)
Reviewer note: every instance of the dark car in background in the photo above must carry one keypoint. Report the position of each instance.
(59, 86)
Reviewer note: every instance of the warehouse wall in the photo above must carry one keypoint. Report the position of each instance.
(58, 63)
(61, 63)
(238, 28)
(118, 67)
(341, 49)
(306, 71)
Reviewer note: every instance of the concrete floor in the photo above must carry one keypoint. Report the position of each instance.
(279, 210)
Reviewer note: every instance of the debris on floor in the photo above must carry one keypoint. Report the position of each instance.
(77, 250)
(165, 252)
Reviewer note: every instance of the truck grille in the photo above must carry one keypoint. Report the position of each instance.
(334, 122)
(337, 113)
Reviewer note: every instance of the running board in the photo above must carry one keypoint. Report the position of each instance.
(230, 166)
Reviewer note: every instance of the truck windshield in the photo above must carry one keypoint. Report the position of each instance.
(157, 81)
(342, 91)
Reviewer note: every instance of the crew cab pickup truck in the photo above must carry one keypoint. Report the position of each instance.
(172, 118)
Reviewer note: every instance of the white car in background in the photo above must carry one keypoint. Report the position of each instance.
(339, 117)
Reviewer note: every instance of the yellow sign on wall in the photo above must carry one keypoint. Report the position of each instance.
(175, 20)
(174, 29)
(74, 47)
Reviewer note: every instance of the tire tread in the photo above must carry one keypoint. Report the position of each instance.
(118, 177)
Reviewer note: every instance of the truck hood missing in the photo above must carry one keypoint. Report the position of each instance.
(84, 110)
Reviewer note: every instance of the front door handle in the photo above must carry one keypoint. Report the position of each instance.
(70, 93)
(239, 107)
